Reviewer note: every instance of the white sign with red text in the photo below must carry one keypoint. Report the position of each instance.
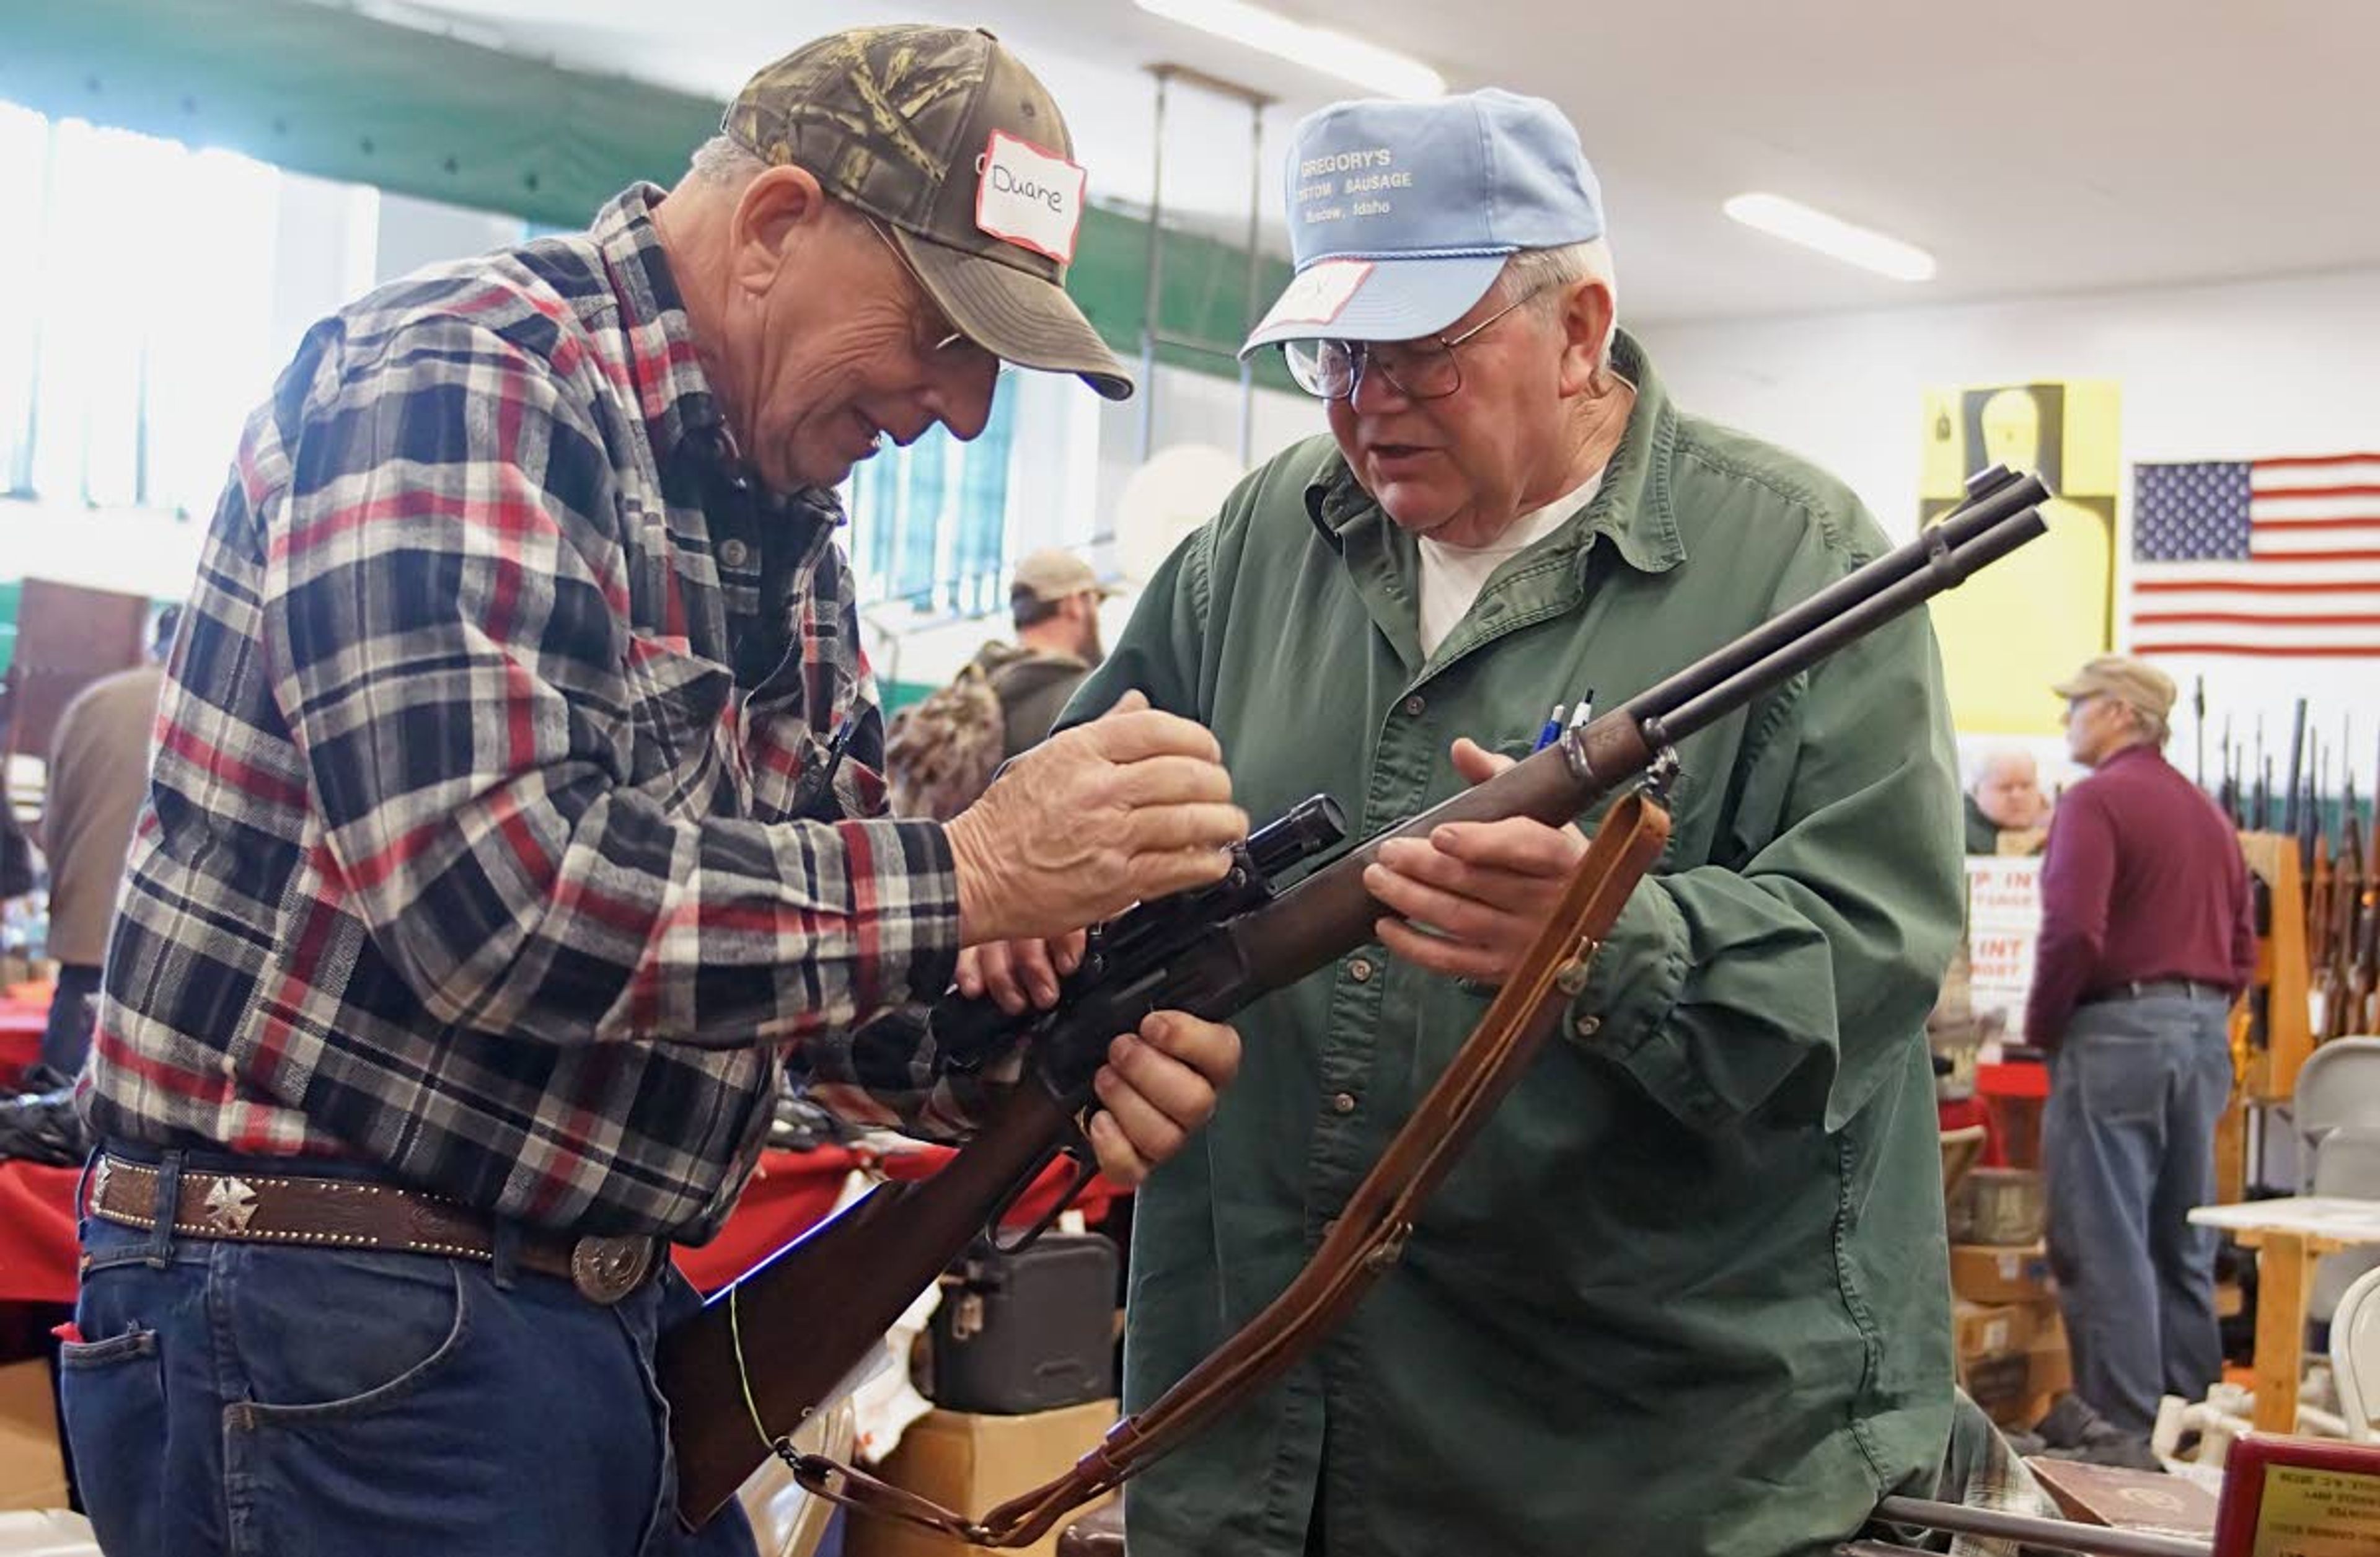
(2003, 927)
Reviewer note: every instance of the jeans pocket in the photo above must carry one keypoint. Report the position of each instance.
(2120, 1079)
(113, 1392)
(328, 1336)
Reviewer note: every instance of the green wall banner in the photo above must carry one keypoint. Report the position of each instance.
(337, 94)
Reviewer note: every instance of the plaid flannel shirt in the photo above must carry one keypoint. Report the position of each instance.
(490, 836)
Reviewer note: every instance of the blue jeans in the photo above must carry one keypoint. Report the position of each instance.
(239, 1398)
(2128, 1143)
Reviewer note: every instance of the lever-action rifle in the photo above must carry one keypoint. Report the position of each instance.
(763, 1354)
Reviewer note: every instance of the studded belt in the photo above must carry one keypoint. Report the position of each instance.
(358, 1214)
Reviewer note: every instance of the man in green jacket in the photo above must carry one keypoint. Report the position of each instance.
(1688, 1291)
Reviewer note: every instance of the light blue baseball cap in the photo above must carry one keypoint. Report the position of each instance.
(1403, 214)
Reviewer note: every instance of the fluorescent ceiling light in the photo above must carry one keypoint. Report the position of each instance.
(1832, 236)
(1317, 48)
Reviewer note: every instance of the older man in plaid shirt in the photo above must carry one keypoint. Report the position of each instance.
(518, 814)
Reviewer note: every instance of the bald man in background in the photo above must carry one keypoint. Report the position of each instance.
(2006, 812)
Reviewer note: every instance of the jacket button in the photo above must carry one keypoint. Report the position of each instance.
(1360, 970)
(1414, 705)
(1588, 1027)
(1344, 1102)
(733, 552)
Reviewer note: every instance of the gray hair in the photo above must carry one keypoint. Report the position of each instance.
(1550, 273)
(724, 165)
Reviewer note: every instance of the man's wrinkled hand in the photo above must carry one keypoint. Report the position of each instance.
(1158, 1087)
(1016, 974)
(1484, 889)
(1133, 805)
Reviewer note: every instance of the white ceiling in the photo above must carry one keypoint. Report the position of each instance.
(2032, 145)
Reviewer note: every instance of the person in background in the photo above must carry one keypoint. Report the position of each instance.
(1688, 1291)
(943, 751)
(98, 776)
(2147, 936)
(1053, 599)
(2006, 812)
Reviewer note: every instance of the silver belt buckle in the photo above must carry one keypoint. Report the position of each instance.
(606, 1270)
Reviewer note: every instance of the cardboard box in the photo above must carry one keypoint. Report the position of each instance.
(32, 1471)
(1989, 1273)
(1990, 1330)
(2049, 1367)
(971, 1463)
(1999, 1386)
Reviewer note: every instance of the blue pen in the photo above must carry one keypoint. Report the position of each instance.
(1552, 732)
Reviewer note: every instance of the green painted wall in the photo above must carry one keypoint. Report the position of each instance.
(333, 93)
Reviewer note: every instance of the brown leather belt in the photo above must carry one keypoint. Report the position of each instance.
(358, 1214)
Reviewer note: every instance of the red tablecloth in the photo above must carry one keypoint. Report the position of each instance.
(37, 1232)
(792, 1191)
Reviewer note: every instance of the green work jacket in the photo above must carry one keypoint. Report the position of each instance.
(1688, 1291)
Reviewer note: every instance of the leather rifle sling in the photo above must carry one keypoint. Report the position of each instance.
(1367, 1236)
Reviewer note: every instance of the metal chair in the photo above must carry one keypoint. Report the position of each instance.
(2338, 1084)
(2346, 1166)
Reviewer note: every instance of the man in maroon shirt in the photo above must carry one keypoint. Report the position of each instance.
(2146, 938)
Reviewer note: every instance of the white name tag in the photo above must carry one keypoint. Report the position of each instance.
(1317, 294)
(1028, 196)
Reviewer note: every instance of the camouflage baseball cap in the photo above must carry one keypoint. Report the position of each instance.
(943, 135)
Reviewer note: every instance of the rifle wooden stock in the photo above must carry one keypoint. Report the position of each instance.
(814, 1310)
(811, 1313)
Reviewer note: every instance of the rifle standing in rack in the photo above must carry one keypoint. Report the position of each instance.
(2343, 994)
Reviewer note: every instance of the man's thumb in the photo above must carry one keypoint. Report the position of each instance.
(1476, 763)
(1132, 701)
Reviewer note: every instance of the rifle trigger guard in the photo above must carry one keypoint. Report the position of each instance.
(1086, 1167)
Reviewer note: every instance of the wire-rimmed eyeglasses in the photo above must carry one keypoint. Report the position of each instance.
(939, 339)
(1419, 370)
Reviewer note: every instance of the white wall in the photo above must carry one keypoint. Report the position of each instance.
(2230, 371)
(332, 242)
(1193, 409)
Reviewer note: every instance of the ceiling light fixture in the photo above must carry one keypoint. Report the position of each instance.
(1832, 236)
(1317, 48)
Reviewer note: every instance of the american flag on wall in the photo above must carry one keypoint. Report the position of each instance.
(2263, 557)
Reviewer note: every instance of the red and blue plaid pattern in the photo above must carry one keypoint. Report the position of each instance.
(490, 836)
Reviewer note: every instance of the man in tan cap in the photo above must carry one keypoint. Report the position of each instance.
(518, 818)
(941, 753)
(2146, 938)
(1053, 599)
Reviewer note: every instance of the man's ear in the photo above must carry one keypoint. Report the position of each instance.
(778, 211)
(1586, 321)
